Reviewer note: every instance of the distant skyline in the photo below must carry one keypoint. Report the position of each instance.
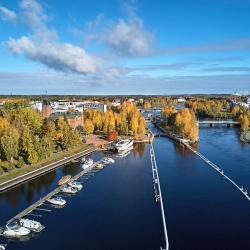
(124, 47)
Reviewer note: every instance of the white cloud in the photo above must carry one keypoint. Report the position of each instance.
(62, 57)
(125, 37)
(43, 44)
(7, 14)
(129, 38)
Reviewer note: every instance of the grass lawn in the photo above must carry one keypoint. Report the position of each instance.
(53, 158)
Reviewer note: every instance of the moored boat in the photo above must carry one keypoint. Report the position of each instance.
(99, 165)
(32, 225)
(2, 246)
(124, 144)
(108, 160)
(58, 201)
(64, 179)
(75, 184)
(13, 229)
(86, 163)
(69, 190)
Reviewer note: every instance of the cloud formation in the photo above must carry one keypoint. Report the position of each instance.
(125, 37)
(7, 14)
(62, 57)
(43, 44)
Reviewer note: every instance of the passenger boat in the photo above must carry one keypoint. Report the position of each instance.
(69, 190)
(2, 246)
(58, 201)
(123, 144)
(86, 163)
(99, 165)
(13, 229)
(75, 184)
(107, 160)
(32, 225)
(64, 179)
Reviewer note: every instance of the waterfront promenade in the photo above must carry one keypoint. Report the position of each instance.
(40, 171)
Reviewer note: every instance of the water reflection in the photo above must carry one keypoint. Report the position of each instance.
(139, 149)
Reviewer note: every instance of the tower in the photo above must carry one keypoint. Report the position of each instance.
(46, 108)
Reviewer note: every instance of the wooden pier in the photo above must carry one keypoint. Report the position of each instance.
(35, 206)
(158, 195)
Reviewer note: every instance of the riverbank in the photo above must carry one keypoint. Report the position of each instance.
(245, 136)
(25, 173)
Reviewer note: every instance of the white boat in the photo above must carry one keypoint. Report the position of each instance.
(123, 144)
(69, 190)
(32, 225)
(108, 160)
(13, 229)
(2, 246)
(58, 201)
(87, 163)
(75, 184)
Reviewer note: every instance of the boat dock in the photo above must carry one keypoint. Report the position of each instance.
(36, 206)
(158, 196)
(219, 170)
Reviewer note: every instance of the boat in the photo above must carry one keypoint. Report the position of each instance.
(64, 179)
(87, 163)
(58, 201)
(69, 190)
(107, 160)
(123, 144)
(32, 225)
(99, 165)
(75, 184)
(13, 229)
(2, 246)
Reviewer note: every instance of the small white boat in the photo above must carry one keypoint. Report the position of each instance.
(32, 225)
(124, 144)
(13, 229)
(58, 201)
(87, 163)
(69, 190)
(2, 246)
(108, 160)
(75, 184)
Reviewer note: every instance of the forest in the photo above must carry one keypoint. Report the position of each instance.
(26, 138)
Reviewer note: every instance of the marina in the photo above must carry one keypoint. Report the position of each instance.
(19, 225)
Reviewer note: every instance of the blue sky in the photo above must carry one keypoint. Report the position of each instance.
(124, 47)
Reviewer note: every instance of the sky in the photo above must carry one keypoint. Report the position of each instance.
(114, 47)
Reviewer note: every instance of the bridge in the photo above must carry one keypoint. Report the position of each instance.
(211, 123)
(158, 196)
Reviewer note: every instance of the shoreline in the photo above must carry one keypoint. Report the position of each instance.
(6, 185)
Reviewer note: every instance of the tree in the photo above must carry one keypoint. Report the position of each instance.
(113, 136)
(9, 143)
(88, 127)
(244, 122)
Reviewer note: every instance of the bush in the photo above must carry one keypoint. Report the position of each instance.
(20, 162)
(7, 166)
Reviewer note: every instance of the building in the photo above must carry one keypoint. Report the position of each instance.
(46, 108)
(95, 106)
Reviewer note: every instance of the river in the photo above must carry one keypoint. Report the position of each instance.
(116, 208)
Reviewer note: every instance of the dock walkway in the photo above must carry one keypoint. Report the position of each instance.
(57, 190)
(158, 195)
(219, 170)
